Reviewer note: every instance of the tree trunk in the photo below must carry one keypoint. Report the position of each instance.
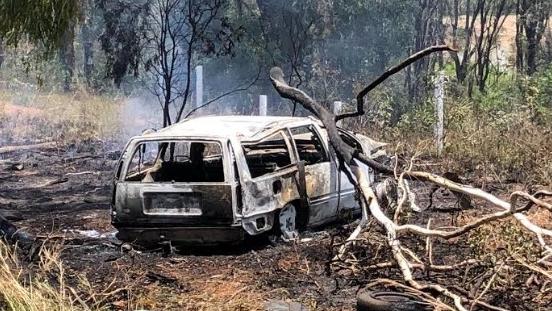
(87, 45)
(532, 21)
(532, 46)
(520, 17)
(1, 53)
(67, 56)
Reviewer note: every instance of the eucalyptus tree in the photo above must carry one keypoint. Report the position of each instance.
(532, 22)
(476, 26)
(42, 22)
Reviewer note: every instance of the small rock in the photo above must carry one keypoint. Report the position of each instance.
(16, 167)
(280, 305)
(125, 248)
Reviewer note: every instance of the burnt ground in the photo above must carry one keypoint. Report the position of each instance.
(64, 194)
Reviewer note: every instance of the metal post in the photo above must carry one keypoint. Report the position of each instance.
(199, 86)
(439, 111)
(262, 105)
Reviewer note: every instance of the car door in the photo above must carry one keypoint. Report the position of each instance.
(268, 176)
(321, 178)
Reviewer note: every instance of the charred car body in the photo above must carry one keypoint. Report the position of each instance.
(215, 179)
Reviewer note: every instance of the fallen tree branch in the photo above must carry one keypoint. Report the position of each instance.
(369, 200)
(348, 154)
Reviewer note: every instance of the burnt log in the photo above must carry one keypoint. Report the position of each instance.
(11, 235)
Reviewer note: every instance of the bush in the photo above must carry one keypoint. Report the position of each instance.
(505, 133)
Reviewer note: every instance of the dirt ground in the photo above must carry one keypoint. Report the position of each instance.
(64, 194)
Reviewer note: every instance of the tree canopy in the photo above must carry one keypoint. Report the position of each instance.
(42, 22)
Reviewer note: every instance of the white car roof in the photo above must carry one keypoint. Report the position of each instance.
(243, 127)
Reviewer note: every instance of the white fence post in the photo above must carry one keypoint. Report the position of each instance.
(199, 86)
(263, 105)
(336, 108)
(439, 111)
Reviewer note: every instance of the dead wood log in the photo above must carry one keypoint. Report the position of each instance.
(369, 200)
(8, 149)
(54, 182)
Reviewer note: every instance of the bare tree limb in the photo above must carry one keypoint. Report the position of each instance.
(393, 70)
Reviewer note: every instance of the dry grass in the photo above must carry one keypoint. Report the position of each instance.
(45, 284)
(507, 147)
(22, 290)
(64, 118)
(228, 289)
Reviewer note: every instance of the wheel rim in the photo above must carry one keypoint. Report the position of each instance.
(287, 217)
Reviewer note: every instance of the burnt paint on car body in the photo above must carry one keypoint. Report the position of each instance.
(241, 204)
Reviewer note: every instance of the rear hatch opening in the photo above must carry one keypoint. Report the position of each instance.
(174, 182)
(177, 161)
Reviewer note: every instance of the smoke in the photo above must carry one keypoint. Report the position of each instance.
(138, 113)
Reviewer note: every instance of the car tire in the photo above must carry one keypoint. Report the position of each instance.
(390, 301)
(286, 222)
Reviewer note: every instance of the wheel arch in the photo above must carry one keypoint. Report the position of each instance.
(303, 213)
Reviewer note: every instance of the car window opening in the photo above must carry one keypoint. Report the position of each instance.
(267, 156)
(350, 141)
(309, 146)
(176, 161)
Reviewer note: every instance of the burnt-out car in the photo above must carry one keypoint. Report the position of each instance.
(216, 179)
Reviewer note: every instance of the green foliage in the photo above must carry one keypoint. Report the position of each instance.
(496, 241)
(372, 33)
(121, 38)
(543, 96)
(42, 22)
(505, 133)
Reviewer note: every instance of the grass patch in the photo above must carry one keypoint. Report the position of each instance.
(64, 118)
(22, 290)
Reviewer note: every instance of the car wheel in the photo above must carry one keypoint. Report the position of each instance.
(390, 301)
(287, 222)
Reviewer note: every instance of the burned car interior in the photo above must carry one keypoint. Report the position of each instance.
(178, 161)
(309, 146)
(267, 156)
